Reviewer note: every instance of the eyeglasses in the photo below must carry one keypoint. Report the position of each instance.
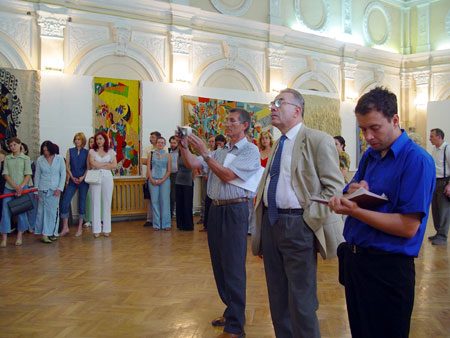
(279, 102)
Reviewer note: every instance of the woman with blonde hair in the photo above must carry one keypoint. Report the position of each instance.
(265, 143)
(76, 168)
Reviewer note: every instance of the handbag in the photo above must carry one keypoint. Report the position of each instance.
(20, 204)
(93, 177)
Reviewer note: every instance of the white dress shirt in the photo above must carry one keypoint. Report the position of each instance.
(286, 197)
(438, 156)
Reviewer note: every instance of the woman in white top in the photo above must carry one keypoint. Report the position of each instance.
(102, 158)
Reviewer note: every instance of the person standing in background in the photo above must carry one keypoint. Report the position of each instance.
(344, 158)
(102, 158)
(173, 151)
(160, 164)
(145, 156)
(76, 167)
(50, 180)
(440, 205)
(265, 143)
(16, 172)
(31, 214)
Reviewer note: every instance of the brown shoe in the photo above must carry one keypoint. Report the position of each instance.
(231, 335)
(220, 321)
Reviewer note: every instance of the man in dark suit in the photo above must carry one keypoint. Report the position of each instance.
(289, 227)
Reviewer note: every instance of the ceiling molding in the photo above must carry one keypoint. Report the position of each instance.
(408, 3)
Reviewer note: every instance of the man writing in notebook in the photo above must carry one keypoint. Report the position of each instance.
(377, 260)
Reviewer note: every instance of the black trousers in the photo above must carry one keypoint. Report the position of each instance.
(227, 240)
(184, 195)
(207, 207)
(379, 290)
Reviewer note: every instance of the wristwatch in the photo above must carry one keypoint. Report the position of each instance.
(207, 157)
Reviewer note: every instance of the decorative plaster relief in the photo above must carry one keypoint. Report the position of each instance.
(378, 75)
(405, 80)
(422, 78)
(362, 79)
(232, 7)
(349, 70)
(372, 8)
(204, 53)
(19, 30)
(155, 45)
(81, 36)
(180, 43)
(447, 22)
(347, 16)
(275, 57)
(423, 28)
(293, 66)
(333, 72)
(441, 88)
(122, 34)
(52, 25)
(322, 23)
(255, 59)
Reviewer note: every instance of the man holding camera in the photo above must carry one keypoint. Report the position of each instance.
(228, 216)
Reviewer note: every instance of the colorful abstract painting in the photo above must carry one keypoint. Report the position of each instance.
(19, 108)
(117, 113)
(207, 116)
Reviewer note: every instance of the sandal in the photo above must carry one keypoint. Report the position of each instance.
(78, 234)
(18, 242)
(53, 238)
(46, 240)
(106, 234)
(3, 244)
(96, 235)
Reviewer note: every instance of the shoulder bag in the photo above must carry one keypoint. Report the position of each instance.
(93, 177)
(20, 204)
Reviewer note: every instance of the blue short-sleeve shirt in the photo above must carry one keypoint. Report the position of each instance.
(407, 176)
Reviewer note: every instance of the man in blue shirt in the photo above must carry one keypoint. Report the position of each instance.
(377, 261)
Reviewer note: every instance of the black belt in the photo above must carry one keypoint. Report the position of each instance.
(442, 178)
(291, 211)
(356, 249)
(232, 201)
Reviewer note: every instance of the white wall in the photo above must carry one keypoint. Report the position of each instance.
(438, 116)
(67, 104)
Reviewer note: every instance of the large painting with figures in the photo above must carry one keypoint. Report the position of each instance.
(19, 108)
(117, 113)
(207, 116)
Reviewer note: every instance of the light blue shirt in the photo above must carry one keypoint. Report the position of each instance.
(50, 177)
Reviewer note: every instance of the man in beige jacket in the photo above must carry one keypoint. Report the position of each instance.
(290, 229)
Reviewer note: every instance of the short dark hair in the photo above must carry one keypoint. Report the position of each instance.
(14, 139)
(51, 147)
(438, 132)
(220, 138)
(297, 97)
(105, 137)
(341, 141)
(25, 148)
(156, 133)
(172, 138)
(379, 99)
(244, 116)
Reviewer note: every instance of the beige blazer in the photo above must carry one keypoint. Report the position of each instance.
(315, 172)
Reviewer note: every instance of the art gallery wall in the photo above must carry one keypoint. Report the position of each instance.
(66, 108)
(438, 116)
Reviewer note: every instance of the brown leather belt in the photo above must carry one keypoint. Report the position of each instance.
(232, 201)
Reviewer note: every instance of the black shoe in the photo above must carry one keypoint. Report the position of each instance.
(148, 224)
(431, 238)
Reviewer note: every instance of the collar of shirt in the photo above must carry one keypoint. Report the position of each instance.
(238, 145)
(292, 133)
(442, 146)
(21, 155)
(395, 148)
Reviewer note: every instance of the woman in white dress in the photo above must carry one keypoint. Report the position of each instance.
(102, 158)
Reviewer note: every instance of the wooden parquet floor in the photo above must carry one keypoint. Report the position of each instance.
(143, 283)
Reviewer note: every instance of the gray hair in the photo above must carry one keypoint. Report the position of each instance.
(297, 97)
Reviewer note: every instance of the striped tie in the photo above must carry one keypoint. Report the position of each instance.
(272, 190)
